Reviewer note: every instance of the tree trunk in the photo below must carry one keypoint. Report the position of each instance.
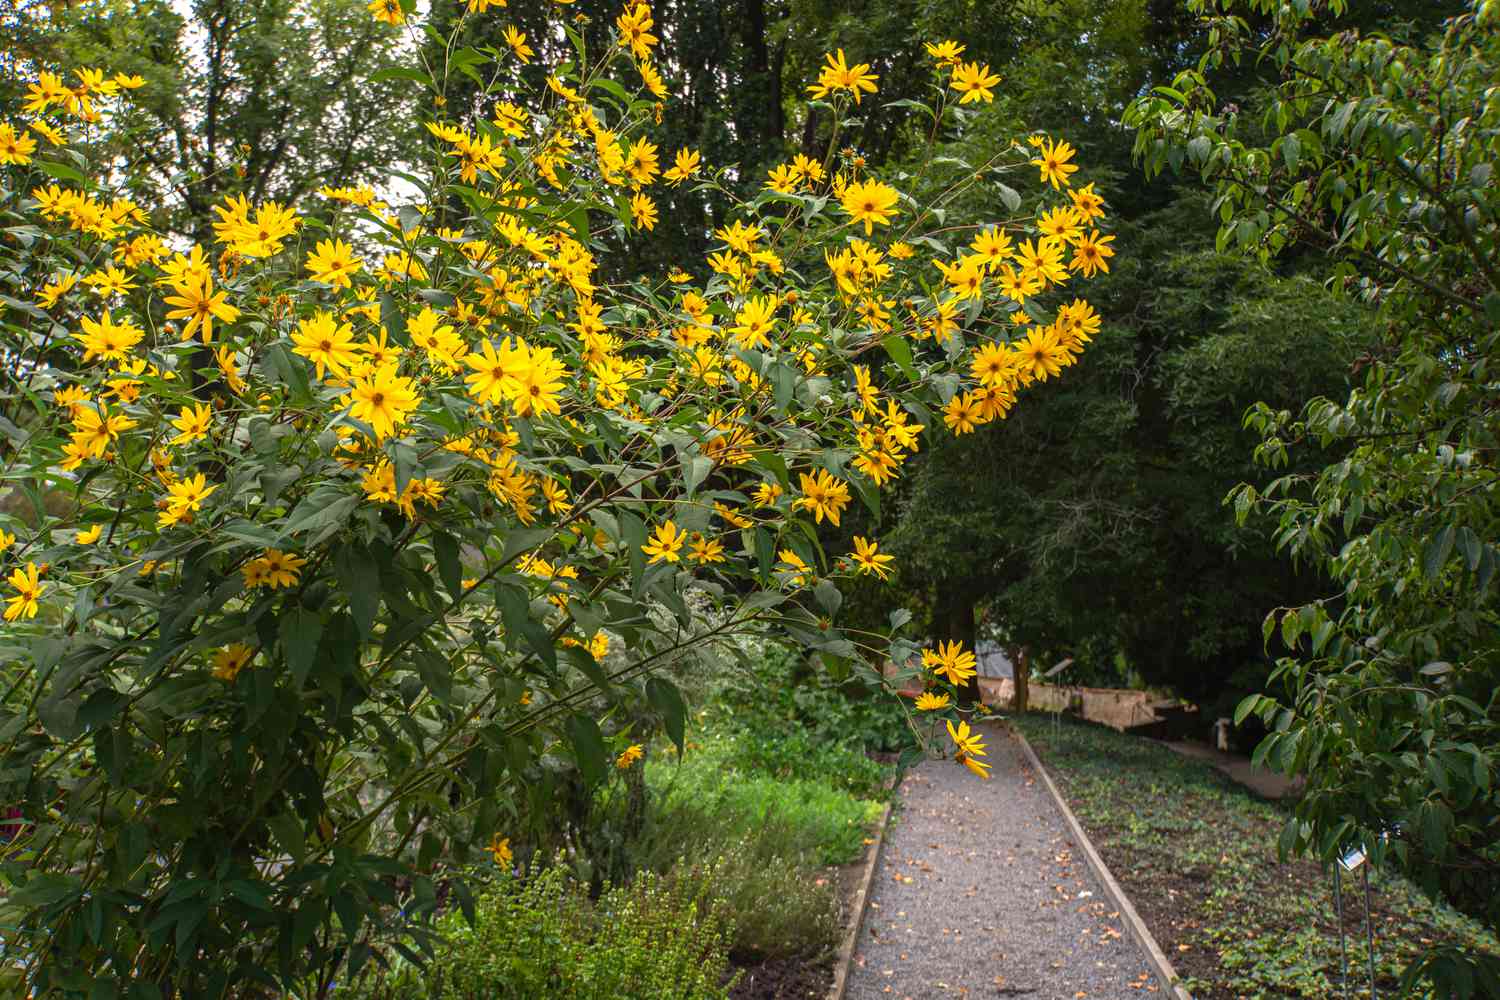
(1021, 667)
(953, 620)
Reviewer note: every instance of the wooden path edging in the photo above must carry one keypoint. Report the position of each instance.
(1155, 957)
(861, 903)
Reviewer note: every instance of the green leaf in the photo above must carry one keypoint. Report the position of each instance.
(1009, 196)
(300, 631)
(695, 470)
(1437, 551)
(401, 73)
(900, 352)
(521, 540)
(829, 597)
(666, 699)
(589, 667)
(445, 548)
(360, 579)
(588, 748)
(1291, 150)
(61, 171)
(435, 673)
(287, 830)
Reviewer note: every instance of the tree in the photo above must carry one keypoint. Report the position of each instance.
(272, 99)
(1380, 156)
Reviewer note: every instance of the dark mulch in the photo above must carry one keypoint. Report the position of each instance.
(783, 979)
(1197, 856)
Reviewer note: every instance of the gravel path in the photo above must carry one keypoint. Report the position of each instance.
(982, 893)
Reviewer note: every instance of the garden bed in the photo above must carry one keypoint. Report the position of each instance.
(1196, 854)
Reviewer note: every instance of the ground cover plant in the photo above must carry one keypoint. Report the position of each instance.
(333, 536)
(1196, 854)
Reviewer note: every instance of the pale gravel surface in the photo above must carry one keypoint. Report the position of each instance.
(982, 893)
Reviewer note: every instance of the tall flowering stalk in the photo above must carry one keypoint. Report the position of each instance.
(342, 524)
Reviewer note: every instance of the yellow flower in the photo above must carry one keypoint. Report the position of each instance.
(517, 42)
(200, 305)
(383, 400)
(193, 423)
(792, 564)
(1088, 204)
(1092, 253)
(333, 262)
(15, 148)
(496, 374)
(104, 338)
(184, 498)
(388, 11)
(666, 543)
(500, 851)
(685, 165)
(754, 322)
(929, 702)
(327, 343)
(707, 550)
(110, 281)
(946, 53)
(974, 81)
(281, 568)
(871, 561)
(825, 495)
(767, 493)
(1042, 354)
(969, 746)
(29, 588)
(838, 75)
(7, 539)
(635, 26)
(629, 756)
(1053, 162)
(952, 661)
(979, 767)
(230, 660)
(870, 202)
(89, 535)
(962, 413)
(643, 211)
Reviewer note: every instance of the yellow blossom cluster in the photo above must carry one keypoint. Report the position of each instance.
(437, 460)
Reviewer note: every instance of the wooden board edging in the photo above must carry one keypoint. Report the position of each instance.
(861, 904)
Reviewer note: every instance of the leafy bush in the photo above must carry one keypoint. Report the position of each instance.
(782, 909)
(365, 504)
(791, 720)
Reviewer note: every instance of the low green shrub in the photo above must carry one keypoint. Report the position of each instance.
(709, 800)
(781, 908)
(539, 936)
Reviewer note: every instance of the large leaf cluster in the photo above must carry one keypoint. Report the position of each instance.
(1381, 156)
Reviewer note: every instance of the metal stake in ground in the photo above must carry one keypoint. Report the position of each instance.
(1338, 907)
(1351, 860)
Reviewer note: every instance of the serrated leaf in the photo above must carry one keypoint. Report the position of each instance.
(588, 748)
(445, 549)
(667, 699)
(300, 631)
